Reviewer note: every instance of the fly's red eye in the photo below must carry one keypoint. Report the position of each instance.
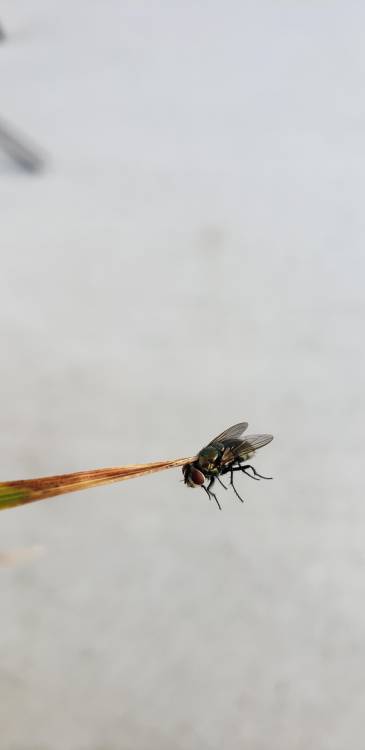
(197, 476)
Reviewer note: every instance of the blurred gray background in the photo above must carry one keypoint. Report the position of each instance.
(191, 256)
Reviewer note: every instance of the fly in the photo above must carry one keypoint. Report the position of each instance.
(226, 454)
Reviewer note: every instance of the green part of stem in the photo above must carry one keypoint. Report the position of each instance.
(10, 497)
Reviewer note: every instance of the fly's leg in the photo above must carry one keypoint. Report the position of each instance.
(223, 485)
(232, 485)
(240, 467)
(205, 490)
(256, 475)
(251, 476)
(212, 494)
(237, 466)
(230, 469)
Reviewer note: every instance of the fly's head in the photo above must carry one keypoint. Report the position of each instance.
(193, 477)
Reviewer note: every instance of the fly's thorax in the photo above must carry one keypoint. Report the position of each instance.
(209, 459)
(193, 477)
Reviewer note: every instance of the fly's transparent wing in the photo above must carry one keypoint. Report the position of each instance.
(257, 441)
(233, 433)
(245, 449)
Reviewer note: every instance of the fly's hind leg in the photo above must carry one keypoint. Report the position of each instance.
(237, 466)
(255, 473)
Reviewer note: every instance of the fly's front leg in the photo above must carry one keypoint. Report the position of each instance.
(222, 483)
(210, 493)
(205, 490)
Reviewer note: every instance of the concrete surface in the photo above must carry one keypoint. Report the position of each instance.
(192, 256)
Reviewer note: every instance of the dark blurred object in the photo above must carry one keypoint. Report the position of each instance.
(2, 34)
(23, 154)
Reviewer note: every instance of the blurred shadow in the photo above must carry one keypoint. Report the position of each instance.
(21, 152)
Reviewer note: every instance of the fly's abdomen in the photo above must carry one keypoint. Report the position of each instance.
(246, 456)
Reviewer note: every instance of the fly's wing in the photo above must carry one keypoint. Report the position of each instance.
(245, 449)
(233, 433)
